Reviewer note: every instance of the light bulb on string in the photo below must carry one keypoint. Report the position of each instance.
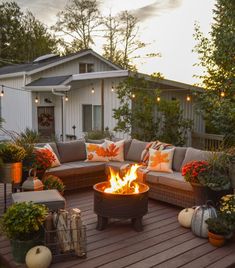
(66, 96)
(112, 88)
(36, 98)
(222, 94)
(2, 92)
(188, 98)
(158, 98)
(133, 95)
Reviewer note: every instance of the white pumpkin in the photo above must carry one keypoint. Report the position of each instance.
(185, 217)
(38, 257)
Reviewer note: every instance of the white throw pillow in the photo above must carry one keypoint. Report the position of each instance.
(161, 160)
(115, 150)
(96, 152)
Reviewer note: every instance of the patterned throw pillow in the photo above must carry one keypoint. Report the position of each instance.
(161, 160)
(96, 152)
(115, 150)
(157, 145)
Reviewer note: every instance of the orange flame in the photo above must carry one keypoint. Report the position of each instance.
(125, 185)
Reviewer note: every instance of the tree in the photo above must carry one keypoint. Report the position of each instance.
(22, 37)
(135, 114)
(78, 22)
(217, 57)
(121, 34)
(174, 127)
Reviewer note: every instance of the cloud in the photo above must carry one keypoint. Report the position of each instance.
(43, 10)
(155, 9)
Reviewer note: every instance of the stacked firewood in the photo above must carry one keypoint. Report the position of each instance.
(69, 231)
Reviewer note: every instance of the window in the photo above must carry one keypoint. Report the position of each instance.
(97, 117)
(86, 68)
(91, 117)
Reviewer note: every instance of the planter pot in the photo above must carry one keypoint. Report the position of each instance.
(216, 240)
(200, 193)
(11, 173)
(20, 249)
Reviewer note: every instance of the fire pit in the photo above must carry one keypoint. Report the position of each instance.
(121, 199)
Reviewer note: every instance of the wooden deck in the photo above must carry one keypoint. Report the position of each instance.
(162, 243)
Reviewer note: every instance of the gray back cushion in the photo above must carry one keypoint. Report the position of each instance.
(95, 141)
(135, 150)
(178, 158)
(53, 146)
(127, 144)
(72, 151)
(195, 154)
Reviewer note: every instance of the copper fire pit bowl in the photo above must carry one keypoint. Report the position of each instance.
(120, 206)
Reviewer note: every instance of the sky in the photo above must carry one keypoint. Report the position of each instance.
(167, 25)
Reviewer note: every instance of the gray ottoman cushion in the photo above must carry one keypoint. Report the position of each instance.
(72, 151)
(51, 198)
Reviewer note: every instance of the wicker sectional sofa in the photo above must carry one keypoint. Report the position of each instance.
(167, 187)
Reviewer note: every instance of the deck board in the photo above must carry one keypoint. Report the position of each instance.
(162, 243)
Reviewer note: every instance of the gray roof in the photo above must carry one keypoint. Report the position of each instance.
(49, 81)
(26, 67)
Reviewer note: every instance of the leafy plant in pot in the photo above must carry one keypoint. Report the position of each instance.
(22, 224)
(11, 167)
(217, 231)
(215, 176)
(53, 182)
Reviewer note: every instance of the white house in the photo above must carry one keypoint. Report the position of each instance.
(88, 81)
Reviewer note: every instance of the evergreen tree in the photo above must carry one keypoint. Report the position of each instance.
(217, 56)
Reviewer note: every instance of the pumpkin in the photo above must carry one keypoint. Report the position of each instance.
(200, 215)
(38, 257)
(185, 217)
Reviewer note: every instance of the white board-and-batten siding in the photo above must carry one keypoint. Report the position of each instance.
(16, 106)
(72, 67)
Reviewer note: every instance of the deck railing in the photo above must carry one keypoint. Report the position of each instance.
(206, 141)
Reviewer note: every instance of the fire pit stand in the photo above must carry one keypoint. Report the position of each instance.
(120, 206)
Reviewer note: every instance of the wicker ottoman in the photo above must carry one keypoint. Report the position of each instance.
(51, 198)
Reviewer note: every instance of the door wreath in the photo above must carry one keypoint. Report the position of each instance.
(45, 119)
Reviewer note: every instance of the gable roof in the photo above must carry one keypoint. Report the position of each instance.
(34, 67)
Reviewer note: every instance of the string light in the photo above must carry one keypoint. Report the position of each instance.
(158, 98)
(222, 94)
(36, 98)
(133, 96)
(188, 98)
(66, 96)
(2, 92)
(92, 89)
(112, 88)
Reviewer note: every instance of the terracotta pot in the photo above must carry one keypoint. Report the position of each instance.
(216, 240)
(11, 173)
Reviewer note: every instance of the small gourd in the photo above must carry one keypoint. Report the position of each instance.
(38, 257)
(185, 217)
(201, 214)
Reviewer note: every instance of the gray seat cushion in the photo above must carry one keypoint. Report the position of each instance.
(72, 151)
(135, 150)
(51, 198)
(193, 154)
(76, 168)
(175, 180)
(178, 158)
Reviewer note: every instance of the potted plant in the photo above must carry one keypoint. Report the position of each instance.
(215, 176)
(42, 160)
(191, 172)
(217, 230)
(22, 224)
(227, 211)
(11, 168)
(53, 182)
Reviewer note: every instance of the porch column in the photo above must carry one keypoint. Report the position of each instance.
(102, 104)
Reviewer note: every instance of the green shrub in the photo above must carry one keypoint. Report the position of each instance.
(11, 153)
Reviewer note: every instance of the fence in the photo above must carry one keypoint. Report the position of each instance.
(206, 141)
